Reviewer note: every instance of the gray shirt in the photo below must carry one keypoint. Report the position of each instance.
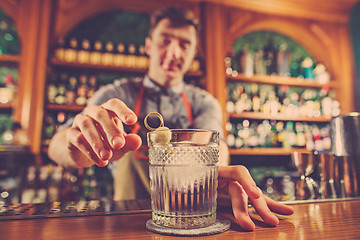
(206, 111)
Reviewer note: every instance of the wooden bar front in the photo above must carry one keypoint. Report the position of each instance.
(315, 220)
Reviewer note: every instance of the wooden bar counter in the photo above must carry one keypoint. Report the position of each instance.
(338, 219)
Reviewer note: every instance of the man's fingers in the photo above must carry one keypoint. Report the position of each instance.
(125, 114)
(239, 202)
(107, 125)
(277, 207)
(79, 143)
(132, 143)
(90, 132)
(240, 174)
(261, 207)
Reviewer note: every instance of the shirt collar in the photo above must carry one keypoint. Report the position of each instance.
(177, 89)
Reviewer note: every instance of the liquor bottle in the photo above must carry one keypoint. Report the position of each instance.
(230, 139)
(143, 59)
(42, 191)
(244, 132)
(49, 129)
(55, 183)
(82, 90)
(61, 89)
(280, 133)
(300, 135)
(255, 99)
(290, 136)
(92, 86)
(84, 52)
(69, 190)
(283, 60)
(309, 138)
(52, 90)
(95, 54)
(270, 58)
(307, 68)
(318, 143)
(259, 63)
(131, 57)
(71, 90)
(273, 135)
(70, 54)
(29, 190)
(295, 67)
(107, 56)
(120, 57)
(60, 119)
(89, 185)
(247, 62)
(60, 50)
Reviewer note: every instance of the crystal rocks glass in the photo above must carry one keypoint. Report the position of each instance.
(184, 178)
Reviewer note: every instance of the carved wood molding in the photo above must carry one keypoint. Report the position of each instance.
(323, 10)
(312, 35)
(68, 14)
(11, 7)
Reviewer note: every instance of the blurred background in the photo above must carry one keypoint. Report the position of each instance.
(281, 70)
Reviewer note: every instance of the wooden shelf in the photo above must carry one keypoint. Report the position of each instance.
(266, 151)
(280, 117)
(15, 59)
(65, 108)
(278, 80)
(56, 62)
(5, 106)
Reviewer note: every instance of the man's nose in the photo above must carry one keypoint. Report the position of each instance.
(174, 50)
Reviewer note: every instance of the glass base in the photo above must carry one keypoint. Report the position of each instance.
(221, 225)
(184, 222)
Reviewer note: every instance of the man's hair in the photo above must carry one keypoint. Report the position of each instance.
(178, 18)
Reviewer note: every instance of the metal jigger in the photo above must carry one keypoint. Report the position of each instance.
(306, 187)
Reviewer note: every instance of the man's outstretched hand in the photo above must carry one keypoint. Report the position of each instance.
(236, 182)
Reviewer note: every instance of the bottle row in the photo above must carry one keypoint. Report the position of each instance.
(105, 53)
(9, 41)
(50, 183)
(71, 89)
(278, 134)
(279, 62)
(11, 132)
(290, 101)
(52, 121)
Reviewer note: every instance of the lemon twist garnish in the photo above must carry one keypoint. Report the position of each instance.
(163, 134)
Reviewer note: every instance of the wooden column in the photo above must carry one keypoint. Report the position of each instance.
(214, 27)
(34, 23)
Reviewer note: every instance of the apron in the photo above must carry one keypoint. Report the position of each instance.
(131, 180)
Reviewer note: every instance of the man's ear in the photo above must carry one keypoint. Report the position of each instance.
(147, 45)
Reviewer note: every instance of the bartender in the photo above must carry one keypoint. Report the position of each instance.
(110, 130)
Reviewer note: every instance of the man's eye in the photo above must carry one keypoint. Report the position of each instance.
(184, 45)
(166, 41)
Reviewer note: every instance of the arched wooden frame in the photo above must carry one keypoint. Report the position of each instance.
(313, 38)
(68, 15)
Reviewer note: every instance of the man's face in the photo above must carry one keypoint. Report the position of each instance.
(171, 51)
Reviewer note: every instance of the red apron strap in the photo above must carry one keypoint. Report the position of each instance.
(136, 127)
(187, 107)
(141, 153)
